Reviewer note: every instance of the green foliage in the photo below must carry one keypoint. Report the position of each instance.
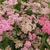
(1, 1)
(43, 42)
(11, 43)
(17, 29)
(25, 0)
(7, 42)
(29, 12)
(2, 48)
(38, 25)
(32, 31)
(35, 0)
(24, 7)
(18, 6)
(4, 44)
(49, 5)
(33, 21)
(36, 14)
(48, 46)
(42, 6)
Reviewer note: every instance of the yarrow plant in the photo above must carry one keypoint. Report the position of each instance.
(24, 25)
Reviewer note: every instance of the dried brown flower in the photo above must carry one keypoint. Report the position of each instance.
(19, 33)
(26, 25)
(1, 38)
(36, 43)
(46, 49)
(23, 36)
(18, 43)
(8, 48)
(48, 40)
(38, 30)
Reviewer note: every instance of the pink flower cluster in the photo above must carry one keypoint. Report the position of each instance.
(18, 17)
(46, 24)
(5, 25)
(37, 4)
(26, 45)
(24, 48)
(10, 2)
(45, 4)
(32, 36)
